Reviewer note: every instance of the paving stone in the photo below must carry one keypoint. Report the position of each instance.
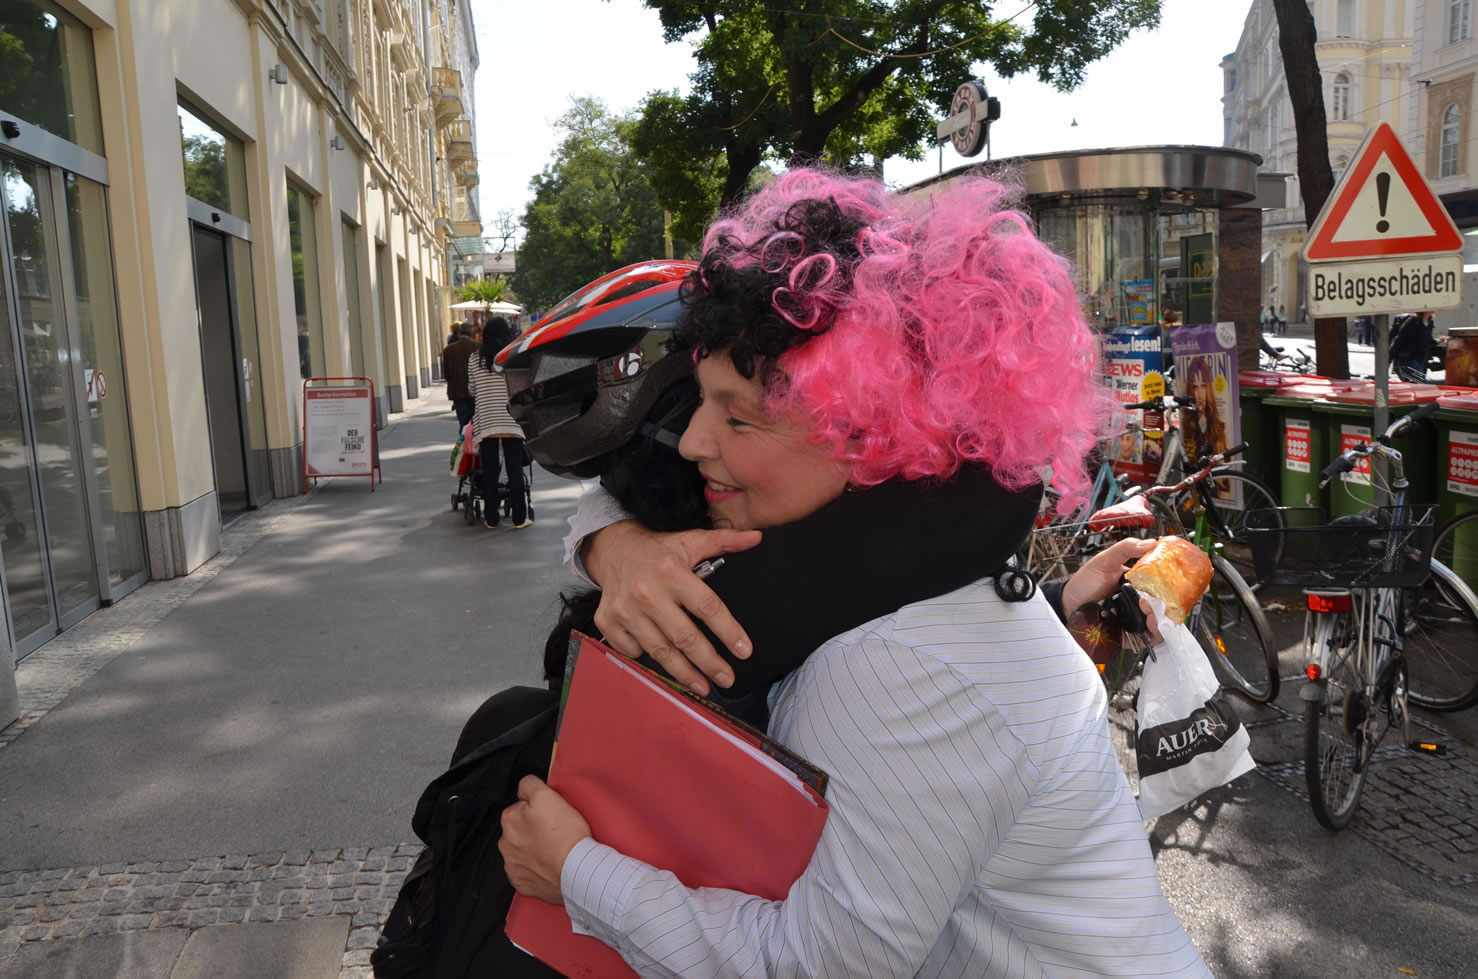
(296, 858)
(174, 866)
(133, 922)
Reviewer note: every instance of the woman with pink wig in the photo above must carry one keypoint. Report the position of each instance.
(980, 823)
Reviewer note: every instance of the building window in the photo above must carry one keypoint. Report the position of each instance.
(47, 71)
(303, 244)
(1341, 98)
(1451, 131)
(1344, 18)
(1231, 79)
(215, 164)
(1458, 13)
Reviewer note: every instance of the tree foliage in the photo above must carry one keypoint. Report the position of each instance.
(594, 209)
(483, 290)
(845, 82)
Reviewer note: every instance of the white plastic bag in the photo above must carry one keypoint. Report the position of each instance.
(1190, 740)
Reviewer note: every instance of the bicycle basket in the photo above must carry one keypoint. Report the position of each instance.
(1390, 547)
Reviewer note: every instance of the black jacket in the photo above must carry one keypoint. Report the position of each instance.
(1412, 339)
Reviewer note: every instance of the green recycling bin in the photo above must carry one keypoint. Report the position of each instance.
(1457, 478)
(1300, 441)
(1260, 427)
(1349, 415)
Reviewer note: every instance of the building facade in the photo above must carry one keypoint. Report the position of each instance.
(1365, 51)
(206, 202)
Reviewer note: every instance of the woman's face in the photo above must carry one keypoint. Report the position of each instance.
(759, 471)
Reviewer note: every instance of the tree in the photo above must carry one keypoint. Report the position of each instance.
(593, 210)
(844, 82)
(1296, 37)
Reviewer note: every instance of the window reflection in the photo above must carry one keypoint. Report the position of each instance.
(304, 245)
(215, 165)
(47, 74)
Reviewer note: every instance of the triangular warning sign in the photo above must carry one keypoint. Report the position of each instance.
(1381, 208)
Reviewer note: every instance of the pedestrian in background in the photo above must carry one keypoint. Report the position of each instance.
(1282, 322)
(1411, 343)
(454, 368)
(493, 428)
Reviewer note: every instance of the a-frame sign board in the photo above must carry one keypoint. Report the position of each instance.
(1381, 208)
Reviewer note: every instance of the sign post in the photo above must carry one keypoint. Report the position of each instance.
(339, 435)
(1383, 244)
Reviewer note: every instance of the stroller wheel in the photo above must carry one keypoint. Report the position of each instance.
(456, 498)
(470, 510)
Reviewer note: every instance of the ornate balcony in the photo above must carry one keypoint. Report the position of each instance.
(446, 94)
(466, 174)
(467, 229)
(459, 140)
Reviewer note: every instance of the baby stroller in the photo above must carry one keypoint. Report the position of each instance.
(467, 466)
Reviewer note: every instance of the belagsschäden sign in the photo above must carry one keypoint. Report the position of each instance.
(337, 440)
(1383, 243)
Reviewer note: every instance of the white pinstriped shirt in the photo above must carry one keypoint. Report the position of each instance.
(980, 824)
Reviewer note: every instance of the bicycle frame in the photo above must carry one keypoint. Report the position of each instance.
(1375, 641)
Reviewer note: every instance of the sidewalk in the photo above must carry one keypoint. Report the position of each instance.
(215, 777)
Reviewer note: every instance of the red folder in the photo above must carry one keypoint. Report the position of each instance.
(668, 778)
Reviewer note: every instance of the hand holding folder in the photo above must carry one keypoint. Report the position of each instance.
(670, 779)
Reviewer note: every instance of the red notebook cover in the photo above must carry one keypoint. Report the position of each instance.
(664, 777)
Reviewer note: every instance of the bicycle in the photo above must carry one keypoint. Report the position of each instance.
(1059, 545)
(1363, 579)
(1227, 622)
(1215, 498)
(1445, 673)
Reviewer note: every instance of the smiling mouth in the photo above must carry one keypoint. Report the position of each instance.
(717, 487)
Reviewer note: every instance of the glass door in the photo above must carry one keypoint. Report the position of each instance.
(51, 568)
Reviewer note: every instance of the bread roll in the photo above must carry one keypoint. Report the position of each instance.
(1176, 572)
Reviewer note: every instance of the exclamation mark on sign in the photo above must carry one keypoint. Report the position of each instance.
(1382, 191)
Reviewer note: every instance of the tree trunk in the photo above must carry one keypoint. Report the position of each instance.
(1296, 37)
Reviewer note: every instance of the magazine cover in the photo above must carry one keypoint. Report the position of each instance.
(1205, 358)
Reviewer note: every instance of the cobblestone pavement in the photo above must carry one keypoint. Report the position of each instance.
(1420, 808)
(38, 905)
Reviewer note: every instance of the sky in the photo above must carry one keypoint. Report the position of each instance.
(1158, 87)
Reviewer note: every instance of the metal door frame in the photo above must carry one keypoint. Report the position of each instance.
(64, 291)
(256, 496)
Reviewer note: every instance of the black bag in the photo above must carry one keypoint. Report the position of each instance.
(447, 921)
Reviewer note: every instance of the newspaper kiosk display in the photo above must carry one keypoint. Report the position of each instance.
(339, 436)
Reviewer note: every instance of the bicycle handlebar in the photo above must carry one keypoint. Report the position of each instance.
(1166, 403)
(1398, 428)
(1223, 456)
(1404, 424)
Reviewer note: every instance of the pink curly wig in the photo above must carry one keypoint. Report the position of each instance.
(917, 335)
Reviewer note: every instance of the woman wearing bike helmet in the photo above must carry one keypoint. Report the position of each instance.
(847, 338)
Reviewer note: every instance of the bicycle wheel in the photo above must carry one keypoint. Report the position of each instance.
(1231, 530)
(1231, 628)
(1335, 746)
(1440, 641)
(1456, 546)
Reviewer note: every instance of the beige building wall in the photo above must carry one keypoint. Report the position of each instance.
(353, 128)
(1365, 51)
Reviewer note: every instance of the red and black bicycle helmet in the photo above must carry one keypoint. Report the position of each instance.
(582, 380)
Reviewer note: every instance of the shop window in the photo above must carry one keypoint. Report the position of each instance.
(1341, 98)
(47, 73)
(303, 242)
(1449, 142)
(102, 357)
(351, 297)
(215, 164)
(1344, 18)
(1459, 13)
